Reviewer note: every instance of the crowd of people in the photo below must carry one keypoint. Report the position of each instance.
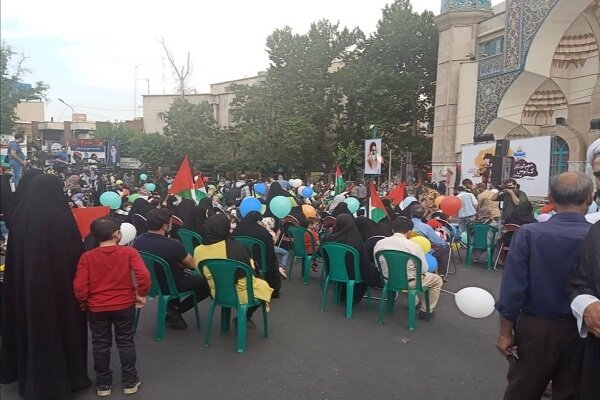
(55, 279)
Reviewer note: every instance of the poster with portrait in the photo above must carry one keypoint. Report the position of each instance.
(373, 157)
(112, 153)
(531, 163)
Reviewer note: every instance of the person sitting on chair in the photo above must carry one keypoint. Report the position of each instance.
(441, 250)
(172, 251)
(398, 241)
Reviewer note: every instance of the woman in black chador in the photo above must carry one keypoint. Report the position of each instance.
(44, 334)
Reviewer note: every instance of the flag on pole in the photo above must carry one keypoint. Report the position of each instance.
(398, 194)
(376, 208)
(199, 188)
(340, 185)
(183, 184)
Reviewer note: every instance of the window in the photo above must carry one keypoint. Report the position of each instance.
(491, 47)
(559, 158)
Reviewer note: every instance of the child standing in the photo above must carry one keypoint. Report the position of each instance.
(110, 283)
(313, 233)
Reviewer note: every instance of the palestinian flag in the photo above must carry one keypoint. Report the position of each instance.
(376, 208)
(183, 184)
(199, 188)
(340, 185)
(398, 194)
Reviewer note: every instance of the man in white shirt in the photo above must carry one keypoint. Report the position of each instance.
(468, 210)
(398, 241)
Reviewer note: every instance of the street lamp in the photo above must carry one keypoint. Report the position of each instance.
(67, 104)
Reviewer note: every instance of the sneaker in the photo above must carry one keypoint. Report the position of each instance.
(283, 272)
(131, 387)
(176, 321)
(103, 390)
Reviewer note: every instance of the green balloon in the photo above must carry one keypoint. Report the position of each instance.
(280, 206)
(353, 204)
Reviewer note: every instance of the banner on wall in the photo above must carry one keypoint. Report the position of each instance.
(373, 157)
(531, 166)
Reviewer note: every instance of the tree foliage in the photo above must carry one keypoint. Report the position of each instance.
(12, 89)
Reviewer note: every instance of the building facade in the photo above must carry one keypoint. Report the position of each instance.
(219, 98)
(522, 68)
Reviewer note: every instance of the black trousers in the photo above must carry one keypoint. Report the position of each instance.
(590, 374)
(101, 326)
(548, 349)
(194, 282)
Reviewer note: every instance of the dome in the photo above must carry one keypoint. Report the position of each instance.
(449, 5)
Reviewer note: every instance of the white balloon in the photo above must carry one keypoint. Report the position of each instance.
(300, 189)
(128, 233)
(544, 217)
(297, 183)
(475, 302)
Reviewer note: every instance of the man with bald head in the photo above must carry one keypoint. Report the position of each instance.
(538, 333)
(585, 294)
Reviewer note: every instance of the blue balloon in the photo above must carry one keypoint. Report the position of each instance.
(151, 187)
(260, 188)
(431, 262)
(307, 192)
(249, 204)
(110, 199)
(143, 177)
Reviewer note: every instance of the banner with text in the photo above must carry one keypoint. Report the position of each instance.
(531, 166)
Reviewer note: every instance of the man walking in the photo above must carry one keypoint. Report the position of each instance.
(16, 159)
(538, 333)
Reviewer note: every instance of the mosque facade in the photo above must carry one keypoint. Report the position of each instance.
(520, 69)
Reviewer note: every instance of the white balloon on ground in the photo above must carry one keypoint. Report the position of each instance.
(128, 233)
(475, 302)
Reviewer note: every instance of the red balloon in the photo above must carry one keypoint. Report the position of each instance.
(450, 205)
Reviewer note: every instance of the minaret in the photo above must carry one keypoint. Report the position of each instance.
(458, 25)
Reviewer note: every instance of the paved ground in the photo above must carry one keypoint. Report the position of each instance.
(314, 355)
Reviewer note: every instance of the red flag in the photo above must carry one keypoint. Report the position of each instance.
(85, 216)
(398, 194)
(183, 180)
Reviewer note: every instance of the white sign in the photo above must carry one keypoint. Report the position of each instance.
(373, 157)
(531, 167)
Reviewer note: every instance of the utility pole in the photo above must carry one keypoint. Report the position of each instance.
(135, 92)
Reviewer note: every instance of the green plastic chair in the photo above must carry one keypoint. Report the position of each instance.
(299, 250)
(397, 281)
(334, 257)
(481, 237)
(153, 262)
(251, 243)
(224, 273)
(189, 239)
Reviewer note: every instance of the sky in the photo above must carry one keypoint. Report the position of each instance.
(94, 54)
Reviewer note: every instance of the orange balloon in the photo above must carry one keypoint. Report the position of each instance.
(438, 200)
(309, 211)
(450, 205)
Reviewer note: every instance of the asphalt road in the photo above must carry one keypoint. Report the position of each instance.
(314, 355)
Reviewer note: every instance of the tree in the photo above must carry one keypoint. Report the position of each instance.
(153, 150)
(293, 112)
(119, 132)
(191, 129)
(183, 73)
(12, 89)
(389, 81)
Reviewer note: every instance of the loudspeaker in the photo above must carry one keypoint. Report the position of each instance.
(502, 147)
(502, 168)
(595, 124)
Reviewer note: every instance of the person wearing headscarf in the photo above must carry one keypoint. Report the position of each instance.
(346, 232)
(17, 196)
(368, 228)
(218, 244)
(274, 191)
(44, 334)
(138, 215)
(207, 204)
(249, 226)
(184, 208)
(196, 219)
(341, 208)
